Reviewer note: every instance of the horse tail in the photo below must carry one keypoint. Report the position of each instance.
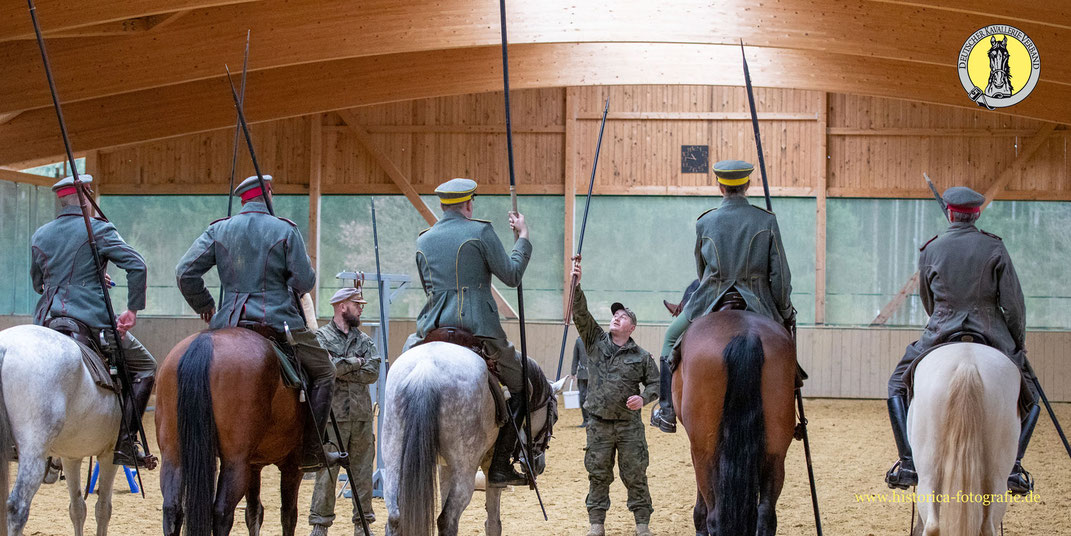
(961, 453)
(197, 435)
(741, 438)
(419, 412)
(6, 440)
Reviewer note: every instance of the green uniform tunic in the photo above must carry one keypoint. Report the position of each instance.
(357, 363)
(261, 261)
(615, 373)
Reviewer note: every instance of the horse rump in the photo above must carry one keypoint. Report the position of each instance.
(741, 438)
(197, 435)
(419, 411)
(7, 443)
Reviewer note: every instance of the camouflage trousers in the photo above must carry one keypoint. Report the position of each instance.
(361, 445)
(626, 440)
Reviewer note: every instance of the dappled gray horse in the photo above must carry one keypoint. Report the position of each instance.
(438, 412)
(54, 408)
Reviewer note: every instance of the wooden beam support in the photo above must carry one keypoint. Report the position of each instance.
(457, 129)
(822, 180)
(572, 103)
(407, 189)
(316, 152)
(931, 132)
(698, 116)
(1040, 137)
(62, 15)
(12, 175)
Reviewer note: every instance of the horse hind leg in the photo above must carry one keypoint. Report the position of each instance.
(30, 475)
(254, 510)
(699, 514)
(233, 483)
(461, 486)
(290, 485)
(105, 486)
(170, 488)
(72, 468)
(773, 480)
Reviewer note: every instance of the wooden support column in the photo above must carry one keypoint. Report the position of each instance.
(403, 184)
(316, 151)
(572, 103)
(822, 169)
(1028, 150)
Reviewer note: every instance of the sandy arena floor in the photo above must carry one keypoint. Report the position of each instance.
(852, 449)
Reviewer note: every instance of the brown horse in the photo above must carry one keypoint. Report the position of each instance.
(733, 392)
(220, 394)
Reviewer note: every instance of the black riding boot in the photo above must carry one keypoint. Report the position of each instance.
(664, 417)
(501, 473)
(313, 458)
(902, 475)
(1020, 482)
(127, 451)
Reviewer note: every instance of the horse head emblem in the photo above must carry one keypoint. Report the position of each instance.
(999, 74)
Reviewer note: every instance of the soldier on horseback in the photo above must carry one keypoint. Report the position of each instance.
(741, 264)
(456, 258)
(970, 290)
(72, 300)
(261, 261)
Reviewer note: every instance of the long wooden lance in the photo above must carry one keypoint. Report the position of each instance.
(267, 202)
(234, 154)
(527, 416)
(580, 243)
(769, 207)
(124, 374)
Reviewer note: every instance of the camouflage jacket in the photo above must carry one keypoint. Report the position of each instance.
(63, 272)
(356, 365)
(614, 372)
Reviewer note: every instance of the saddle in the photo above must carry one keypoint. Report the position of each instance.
(288, 365)
(92, 352)
(731, 300)
(465, 338)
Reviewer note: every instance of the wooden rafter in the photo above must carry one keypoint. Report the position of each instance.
(402, 182)
(1031, 147)
(59, 16)
(12, 175)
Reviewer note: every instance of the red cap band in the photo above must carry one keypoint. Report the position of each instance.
(251, 193)
(965, 210)
(66, 191)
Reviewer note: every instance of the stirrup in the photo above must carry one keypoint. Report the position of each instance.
(507, 477)
(661, 423)
(1020, 482)
(122, 457)
(901, 477)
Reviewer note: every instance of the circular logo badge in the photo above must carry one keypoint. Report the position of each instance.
(998, 66)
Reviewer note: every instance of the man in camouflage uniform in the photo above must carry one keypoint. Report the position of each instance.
(356, 365)
(456, 258)
(737, 249)
(262, 264)
(617, 367)
(64, 274)
(579, 372)
(967, 284)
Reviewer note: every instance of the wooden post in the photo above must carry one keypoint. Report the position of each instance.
(822, 168)
(316, 151)
(571, 157)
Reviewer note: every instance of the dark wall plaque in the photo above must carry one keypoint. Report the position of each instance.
(695, 159)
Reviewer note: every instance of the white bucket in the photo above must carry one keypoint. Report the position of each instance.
(572, 398)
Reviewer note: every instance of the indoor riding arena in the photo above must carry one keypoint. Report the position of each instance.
(355, 104)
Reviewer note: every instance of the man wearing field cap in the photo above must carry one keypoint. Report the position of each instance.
(739, 258)
(263, 266)
(968, 285)
(617, 370)
(64, 273)
(456, 258)
(356, 366)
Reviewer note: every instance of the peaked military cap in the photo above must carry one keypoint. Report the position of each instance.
(66, 185)
(250, 187)
(963, 199)
(348, 294)
(733, 172)
(616, 306)
(456, 191)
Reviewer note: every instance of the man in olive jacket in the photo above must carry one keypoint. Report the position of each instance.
(737, 248)
(968, 285)
(262, 264)
(456, 258)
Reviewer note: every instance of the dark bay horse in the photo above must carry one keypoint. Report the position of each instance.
(220, 395)
(733, 392)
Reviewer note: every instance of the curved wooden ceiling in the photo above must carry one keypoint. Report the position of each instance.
(137, 70)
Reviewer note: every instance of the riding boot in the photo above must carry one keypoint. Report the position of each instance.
(501, 473)
(314, 452)
(664, 417)
(1020, 482)
(902, 475)
(127, 448)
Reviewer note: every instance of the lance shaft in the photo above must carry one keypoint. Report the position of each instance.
(755, 126)
(937, 196)
(234, 154)
(382, 286)
(580, 243)
(249, 143)
(98, 263)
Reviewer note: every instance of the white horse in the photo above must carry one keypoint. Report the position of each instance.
(963, 426)
(438, 411)
(54, 408)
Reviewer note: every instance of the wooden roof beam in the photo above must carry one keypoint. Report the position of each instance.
(12, 175)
